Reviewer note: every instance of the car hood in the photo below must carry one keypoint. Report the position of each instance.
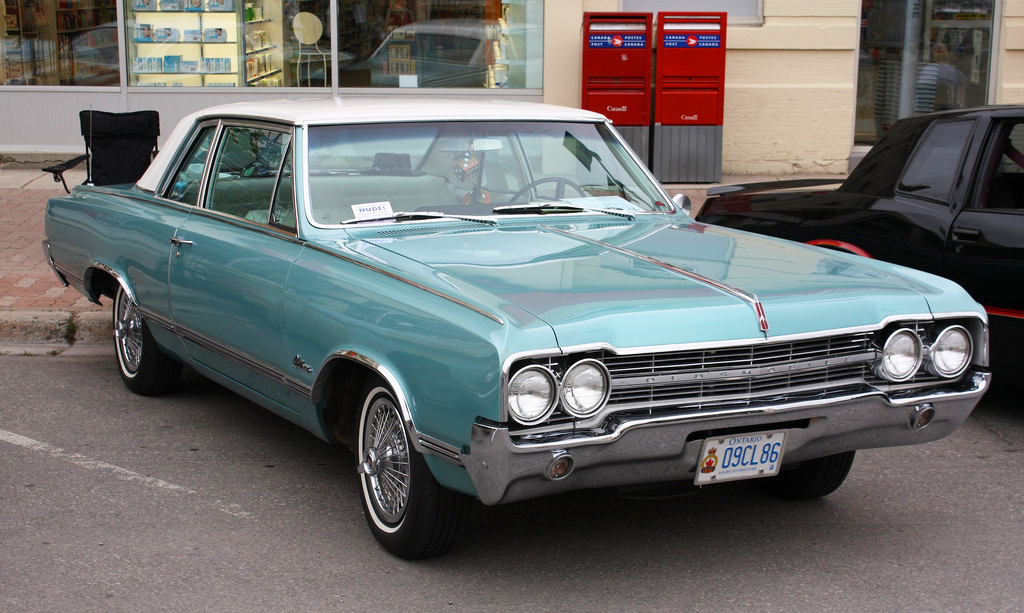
(647, 282)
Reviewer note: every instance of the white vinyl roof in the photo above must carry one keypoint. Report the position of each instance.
(361, 110)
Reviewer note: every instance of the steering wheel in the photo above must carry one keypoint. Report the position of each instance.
(560, 185)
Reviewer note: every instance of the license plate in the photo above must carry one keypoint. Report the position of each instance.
(741, 456)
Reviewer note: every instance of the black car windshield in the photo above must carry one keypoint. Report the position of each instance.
(367, 172)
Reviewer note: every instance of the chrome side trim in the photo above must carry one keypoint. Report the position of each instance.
(53, 267)
(67, 274)
(258, 367)
(421, 442)
(397, 277)
(255, 226)
(159, 320)
(438, 448)
(748, 297)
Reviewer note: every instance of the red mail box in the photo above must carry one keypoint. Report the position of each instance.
(617, 66)
(690, 69)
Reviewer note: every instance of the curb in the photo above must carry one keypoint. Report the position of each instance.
(57, 328)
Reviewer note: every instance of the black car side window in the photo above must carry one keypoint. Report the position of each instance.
(936, 162)
(1005, 189)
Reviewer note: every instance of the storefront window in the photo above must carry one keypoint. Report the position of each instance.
(919, 56)
(440, 43)
(228, 43)
(59, 42)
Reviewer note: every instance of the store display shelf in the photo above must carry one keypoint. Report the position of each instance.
(184, 74)
(140, 14)
(184, 42)
(263, 76)
(256, 21)
(261, 50)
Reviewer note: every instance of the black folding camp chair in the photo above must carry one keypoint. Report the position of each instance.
(118, 147)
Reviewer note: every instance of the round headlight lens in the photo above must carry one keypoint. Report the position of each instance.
(951, 352)
(901, 356)
(531, 395)
(585, 388)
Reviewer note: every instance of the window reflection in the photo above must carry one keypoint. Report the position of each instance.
(228, 43)
(440, 43)
(59, 42)
(919, 57)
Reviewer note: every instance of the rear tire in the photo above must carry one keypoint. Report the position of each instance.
(408, 511)
(145, 369)
(812, 479)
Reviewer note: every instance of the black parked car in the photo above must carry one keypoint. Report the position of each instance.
(942, 193)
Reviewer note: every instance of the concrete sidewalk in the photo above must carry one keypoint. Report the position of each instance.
(37, 313)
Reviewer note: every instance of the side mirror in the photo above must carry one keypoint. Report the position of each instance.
(683, 202)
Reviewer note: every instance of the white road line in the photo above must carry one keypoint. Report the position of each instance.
(121, 473)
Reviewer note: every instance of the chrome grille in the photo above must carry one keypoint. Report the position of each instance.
(778, 372)
(736, 374)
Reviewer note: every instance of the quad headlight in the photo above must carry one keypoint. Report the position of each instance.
(585, 388)
(532, 393)
(535, 392)
(951, 352)
(901, 356)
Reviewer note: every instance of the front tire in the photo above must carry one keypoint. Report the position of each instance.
(144, 369)
(812, 479)
(408, 511)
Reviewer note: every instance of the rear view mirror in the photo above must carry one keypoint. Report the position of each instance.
(683, 202)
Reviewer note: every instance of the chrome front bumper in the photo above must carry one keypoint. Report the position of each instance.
(658, 449)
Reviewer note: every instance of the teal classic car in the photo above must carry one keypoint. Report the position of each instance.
(496, 300)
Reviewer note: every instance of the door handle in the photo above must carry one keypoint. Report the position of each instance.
(178, 242)
(966, 235)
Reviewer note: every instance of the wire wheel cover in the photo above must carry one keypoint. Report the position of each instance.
(128, 332)
(386, 461)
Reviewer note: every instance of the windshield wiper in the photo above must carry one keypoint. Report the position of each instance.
(541, 206)
(409, 216)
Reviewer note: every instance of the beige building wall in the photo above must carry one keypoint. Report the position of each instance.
(1010, 57)
(790, 83)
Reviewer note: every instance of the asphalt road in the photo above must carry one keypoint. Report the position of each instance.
(201, 501)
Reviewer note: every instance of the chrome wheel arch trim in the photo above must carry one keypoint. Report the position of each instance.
(423, 443)
(122, 281)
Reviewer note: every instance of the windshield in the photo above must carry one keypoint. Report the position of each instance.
(471, 168)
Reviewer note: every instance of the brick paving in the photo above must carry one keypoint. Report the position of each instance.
(26, 281)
